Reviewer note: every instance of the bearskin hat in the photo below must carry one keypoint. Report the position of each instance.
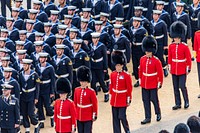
(178, 29)
(84, 74)
(118, 57)
(63, 86)
(149, 44)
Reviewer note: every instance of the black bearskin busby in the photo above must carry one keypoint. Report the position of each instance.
(178, 30)
(149, 44)
(84, 74)
(118, 57)
(63, 86)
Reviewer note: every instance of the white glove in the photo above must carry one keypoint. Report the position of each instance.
(94, 117)
(159, 85)
(128, 101)
(187, 70)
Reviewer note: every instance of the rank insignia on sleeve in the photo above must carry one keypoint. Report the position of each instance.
(38, 80)
(87, 58)
(70, 63)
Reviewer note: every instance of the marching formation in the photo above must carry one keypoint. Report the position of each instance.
(59, 57)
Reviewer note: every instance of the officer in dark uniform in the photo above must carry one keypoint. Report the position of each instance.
(87, 15)
(160, 34)
(18, 21)
(54, 21)
(23, 14)
(137, 32)
(5, 40)
(99, 64)
(49, 37)
(5, 3)
(29, 83)
(41, 16)
(10, 112)
(46, 74)
(80, 57)
(107, 27)
(63, 63)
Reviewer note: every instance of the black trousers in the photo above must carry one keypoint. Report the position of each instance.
(98, 76)
(5, 3)
(149, 95)
(179, 81)
(75, 83)
(198, 70)
(44, 101)
(160, 55)
(119, 115)
(27, 110)
(4, 130)
(28, 4)
(84, 126)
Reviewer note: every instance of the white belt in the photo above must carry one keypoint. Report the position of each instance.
(123, 51)
(96, 16)
(97, 60)
(84, 106)
(149, 74)
(112, 21)
(75, 69)
(166, 3)
(45, 81)
(125, 6)
(29, 90)
(176, 60)
(159, 37)
(62, 76)
(194, 19)
(63, 117)
(119, 91)
(144, 9)
(137, 43)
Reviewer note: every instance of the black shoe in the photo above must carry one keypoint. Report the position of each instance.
(27, 132)
(176, 107)
(199, 96)
(37, 130)
(41, 125)
(165, 72)
(186, 105)
(192, 58)
(145, 121)
(52, 122)
(199, 113)
(137, 84)
(158, 118)
(106, 97)
(98, 88)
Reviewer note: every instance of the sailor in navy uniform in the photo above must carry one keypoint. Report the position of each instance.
(173, 6)
(76, 21)
(54, 21)
(62, 7)
(63, 68)
(128, 9)
(62, 28)
(49, 37)
(29, 27)
(5, 40)
(137, 32)
(68, 22)
(87, 15)
(41, 16)
(80, 57)
(46, 74)
(10, 112)
(13, 32)
(120, 43)
(99, 64)
(8, 79)
(48, 6)
(160, 34)
(23, 14)
(107, 27)
(182, 16)
(29, 83)
(19, 46)
(77, 3)
(18, 21)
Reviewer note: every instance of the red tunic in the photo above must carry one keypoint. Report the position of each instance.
(64, 115)
(150, 72)
(197, 45)
(120, 88)
(179, 58)
(86, 103)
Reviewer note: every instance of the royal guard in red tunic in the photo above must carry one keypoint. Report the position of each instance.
(151, 78)
(179, 60)
(85, 101)
(64, 109)
(121, 92)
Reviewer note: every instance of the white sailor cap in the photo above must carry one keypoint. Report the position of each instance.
(71, 7)
(95, 35)
(60, 46)
(39, 34)
(22, 51)
(33, 11)
(86, 9)
(137, 19)
(4, 30)
(119, 19)
(159, 2)
(138, 8)
(48, 24)
(18, 0)
(59, 36)
(37, 2)
(7, 69)
(54, 12)
(10, 19)
(15, 9)
(77, 41)
(6, 58)
(27, 61)
(84, 20)
(3, 50)
(117, 26)
(68, 16)
(104, 14)
(6, 86)
(43, 54)
(3, 39)
(62, 26)
(180, 4)
(22, 31)
(38, 43)
(98, 22)
(73, 30)
(30, 21)
(157, 12)
(20, 43)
